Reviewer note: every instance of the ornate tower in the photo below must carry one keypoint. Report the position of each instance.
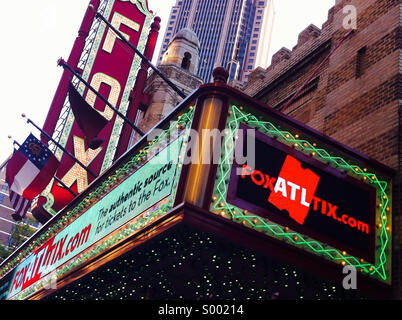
(180, 65)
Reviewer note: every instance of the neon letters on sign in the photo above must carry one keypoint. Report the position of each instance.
(111, 70)
(295, 190)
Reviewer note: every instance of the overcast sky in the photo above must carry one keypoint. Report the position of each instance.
(35, 34)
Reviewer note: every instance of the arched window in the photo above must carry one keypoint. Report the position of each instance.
(185, 64)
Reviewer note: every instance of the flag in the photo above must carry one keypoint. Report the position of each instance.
(20, 205)
(90, 121)
(31, 168)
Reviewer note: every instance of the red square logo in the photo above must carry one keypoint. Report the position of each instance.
(294, 189)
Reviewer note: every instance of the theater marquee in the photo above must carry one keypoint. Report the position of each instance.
(298, 191)
(145, 188)
(305, 190)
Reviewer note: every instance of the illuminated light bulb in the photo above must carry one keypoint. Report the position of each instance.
(314, 153)
(365, 169)
(296, 238)
(245, 211)
(344, 253)
(214, 198)
(314, 144)
(343, 263)
(297, 136)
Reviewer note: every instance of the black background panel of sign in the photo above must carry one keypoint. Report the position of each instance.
(341, 210)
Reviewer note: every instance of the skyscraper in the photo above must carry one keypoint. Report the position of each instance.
(235, 34)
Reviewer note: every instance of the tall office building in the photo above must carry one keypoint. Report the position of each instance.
(235, 34)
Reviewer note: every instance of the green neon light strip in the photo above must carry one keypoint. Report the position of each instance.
(182, 123)
(220, 205)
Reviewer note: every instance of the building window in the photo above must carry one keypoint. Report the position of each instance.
(361, 62)
(185, 64)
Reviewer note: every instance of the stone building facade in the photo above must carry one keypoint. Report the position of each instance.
(351, 88)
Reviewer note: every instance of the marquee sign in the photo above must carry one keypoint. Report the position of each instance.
(111, 69)
(305, 192)
(297, 191)
(150, 184)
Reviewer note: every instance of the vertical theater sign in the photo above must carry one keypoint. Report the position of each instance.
(111, 69)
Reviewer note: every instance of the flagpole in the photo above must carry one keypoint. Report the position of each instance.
(59, 146)
(63, 64)
(56, 178)
(158, 72)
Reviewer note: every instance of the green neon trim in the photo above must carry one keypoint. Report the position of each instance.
(380, 269)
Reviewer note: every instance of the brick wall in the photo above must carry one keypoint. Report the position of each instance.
(356, 97)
